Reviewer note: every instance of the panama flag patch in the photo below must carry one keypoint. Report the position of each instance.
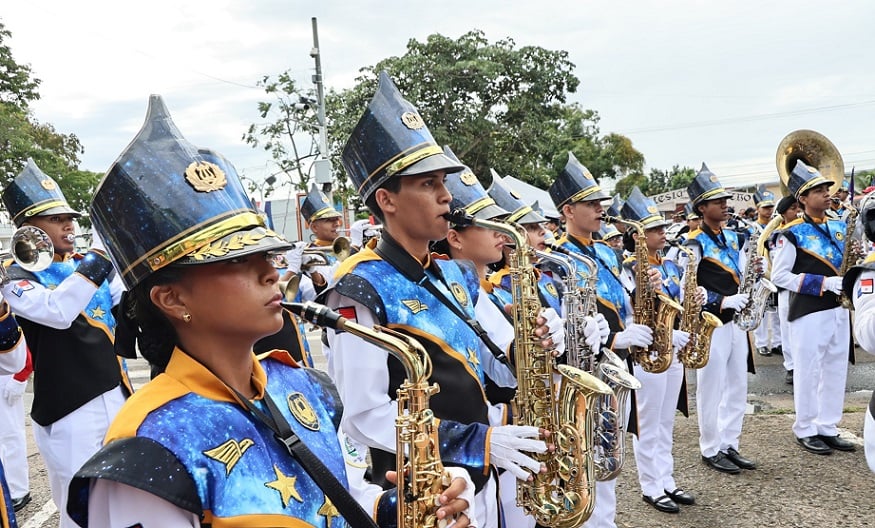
(21, 286)
(866, 286)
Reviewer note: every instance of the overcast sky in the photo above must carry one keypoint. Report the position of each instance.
(686, 81)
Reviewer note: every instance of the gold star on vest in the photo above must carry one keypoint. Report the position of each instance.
(472, 357)
(97, 313)
(285, 485)
(328, 510)
(230, 453)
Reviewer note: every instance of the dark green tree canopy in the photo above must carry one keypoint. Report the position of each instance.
(658, 181)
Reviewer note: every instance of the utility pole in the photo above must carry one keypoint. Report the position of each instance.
(322, 166)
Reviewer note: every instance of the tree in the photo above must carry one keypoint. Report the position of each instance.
(658, 181)
(23, 137)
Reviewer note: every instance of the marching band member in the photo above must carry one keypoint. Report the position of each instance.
(399, 172)
(66, 314)
(13, 438)
(808, 253)
(660, 394)
(13, 358)
(578, 197)
(217, 438)
(788, 208)
(767, 336)
(721, 385)
(859, 286)
(324, 221)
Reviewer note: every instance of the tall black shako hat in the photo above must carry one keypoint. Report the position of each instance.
(641, 209)
(316, 206)
(763, 197)
(390, 140)
(804, 178)
(705, 186)
(575, 184)
(507, 198)
(468, 193)
(165, 201)
(34, 193)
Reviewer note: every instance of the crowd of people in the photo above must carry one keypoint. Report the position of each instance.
(509, 302)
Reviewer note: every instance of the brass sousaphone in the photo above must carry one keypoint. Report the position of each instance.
(815, 150)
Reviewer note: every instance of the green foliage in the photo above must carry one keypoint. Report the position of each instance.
(17, 87)
(658, 181)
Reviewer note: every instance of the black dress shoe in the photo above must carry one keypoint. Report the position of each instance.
(736, 458)
(788, 377)
(764, 351)
(839, 444)
(681, 497)
(20, 503)
(721, 463)
(778, 350)
(815, 445)
(662, 503)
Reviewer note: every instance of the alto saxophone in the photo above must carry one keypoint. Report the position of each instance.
(758, 288)
(658, 356)
(852, 253)
(421, 475)
(609, 449)
(562, 497)
(698, 323)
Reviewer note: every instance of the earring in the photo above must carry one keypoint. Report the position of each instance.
(186, 317)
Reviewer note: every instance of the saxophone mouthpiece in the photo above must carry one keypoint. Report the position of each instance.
(459, 217)
(317, 314)
(70, 237)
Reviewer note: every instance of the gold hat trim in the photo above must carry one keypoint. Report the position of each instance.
(812, 183)
(519, 213)
(325, 212)
(195, 238)
(580, 195)
(396, 164)
(39, 208)
(708, 194)
(479, 205)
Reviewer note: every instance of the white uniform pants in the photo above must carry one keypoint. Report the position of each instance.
(68, 443)
(768, 333)
(513, 514)
(721, 390)
(13, 444)
(605, 506)
(820, 344)
(869, 438)
(657, 401)
(783, 310)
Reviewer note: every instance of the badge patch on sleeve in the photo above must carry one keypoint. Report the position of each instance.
(21, 286)
(348, 313)
(866, 286)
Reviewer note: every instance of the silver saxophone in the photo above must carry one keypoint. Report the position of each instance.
(609, 447)
(758, 288)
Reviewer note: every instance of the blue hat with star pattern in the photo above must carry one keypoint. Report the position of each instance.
(316, 206)
(804, 178)
(507, 198)
(575, 184)
(34, 193)
(469, 194)
(165, 201)
(641, 209)
(705, 186)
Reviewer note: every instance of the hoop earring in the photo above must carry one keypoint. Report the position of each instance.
(186, 317)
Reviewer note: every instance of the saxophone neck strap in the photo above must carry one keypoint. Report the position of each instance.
(390, 251)
(349, 509)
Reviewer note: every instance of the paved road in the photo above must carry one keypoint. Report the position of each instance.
(767, 394)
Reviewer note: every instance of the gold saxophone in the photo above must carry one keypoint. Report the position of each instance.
(753, 283)
(658, 356)
(852, 253)
(698, 323)
(561, 497)
(424, 478)
(609, 449)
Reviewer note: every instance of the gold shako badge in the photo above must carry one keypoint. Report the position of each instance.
(48, 184)
(412, 120)
(205, 176)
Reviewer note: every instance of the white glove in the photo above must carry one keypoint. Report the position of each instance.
(294, 256)
(734, 302)
(97, 242)
(604, 329)
(556, 329)
(13, 390)
(679, 339)
(506, 443)
(456, 472)
(357, 232)
(591, 334)
(635, 334)
(833, 284)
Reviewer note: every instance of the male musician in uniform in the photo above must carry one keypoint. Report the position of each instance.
(399, 171)
(13, 358)
(323, 220)
(579, 198)
(788, 208)
(65, 312)
(859, 286)
(806, 261)
(766, 336)
(721, 385)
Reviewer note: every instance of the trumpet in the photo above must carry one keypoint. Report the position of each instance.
(339, 250)
(31, 248)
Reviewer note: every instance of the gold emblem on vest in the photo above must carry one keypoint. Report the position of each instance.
(459, 293)
(303, 411)
(551, 288)
(329, 510)
(472, 357)
(285, 485)
(414, 305)
(230, 452)
(205, 176)
(840, 236)
(412, 120)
